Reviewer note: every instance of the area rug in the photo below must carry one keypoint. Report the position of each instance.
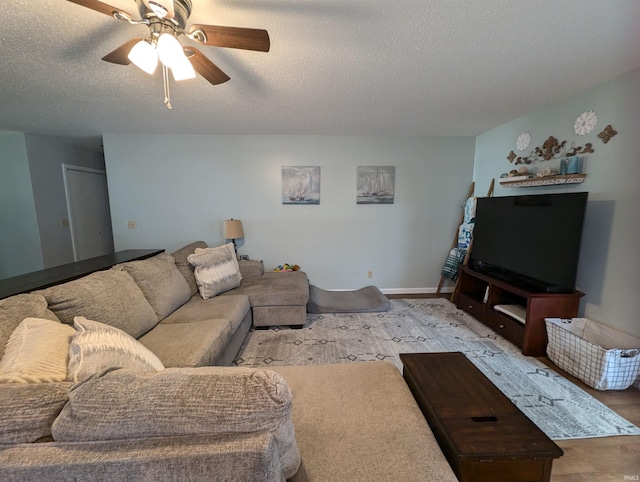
(557, 406)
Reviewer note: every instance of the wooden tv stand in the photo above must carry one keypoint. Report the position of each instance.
(478, 293)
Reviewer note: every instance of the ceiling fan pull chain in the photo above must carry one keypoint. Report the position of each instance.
(165, 80)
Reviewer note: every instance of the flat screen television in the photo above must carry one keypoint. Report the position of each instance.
(532, 241)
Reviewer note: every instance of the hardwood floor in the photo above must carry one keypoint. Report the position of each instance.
(607, 459)
(601, 459)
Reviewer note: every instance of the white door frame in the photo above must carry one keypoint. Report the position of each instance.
(65, 169)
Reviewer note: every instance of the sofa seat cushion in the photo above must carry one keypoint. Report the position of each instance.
(125, 404)
(275, 289)
(231, 308)
(182, 263)
(110, 297)
(37, 352)
(16, 308)
(161, 283)
(27, 410)
(348, 415)
(195, 344)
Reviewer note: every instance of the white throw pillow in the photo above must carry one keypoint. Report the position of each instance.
(37, 351)
(216, 270)
(97, 347)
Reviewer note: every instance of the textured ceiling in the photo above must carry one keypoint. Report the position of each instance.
(336, 67)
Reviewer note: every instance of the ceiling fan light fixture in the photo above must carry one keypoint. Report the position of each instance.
(144, 56)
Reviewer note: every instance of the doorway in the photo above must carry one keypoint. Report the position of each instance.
(88, 209)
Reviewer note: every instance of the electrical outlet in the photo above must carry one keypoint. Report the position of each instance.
(131, 224)
(369, 274)
(64, 222)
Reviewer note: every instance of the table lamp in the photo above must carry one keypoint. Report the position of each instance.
(233, 230)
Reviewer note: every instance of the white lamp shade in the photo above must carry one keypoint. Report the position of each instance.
(233, 229)
(169, 50)
(144, 56)
(183, 69)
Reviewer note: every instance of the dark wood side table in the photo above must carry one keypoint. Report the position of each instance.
(484, 436)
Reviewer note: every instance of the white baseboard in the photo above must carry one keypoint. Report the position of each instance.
(415, 291)
(405, 291)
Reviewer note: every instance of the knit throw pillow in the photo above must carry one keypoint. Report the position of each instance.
(97, 347)
(216, 270)
(37, 352)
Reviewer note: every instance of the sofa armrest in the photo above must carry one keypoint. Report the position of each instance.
(250, 268)
(222, 457)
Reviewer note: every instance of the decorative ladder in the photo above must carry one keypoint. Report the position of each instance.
(454, 243)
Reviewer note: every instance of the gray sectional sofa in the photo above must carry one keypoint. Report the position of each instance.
(198, 419)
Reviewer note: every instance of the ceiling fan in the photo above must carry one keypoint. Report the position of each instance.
(167, 21)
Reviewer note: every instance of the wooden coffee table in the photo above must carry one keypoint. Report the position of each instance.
(484, 436)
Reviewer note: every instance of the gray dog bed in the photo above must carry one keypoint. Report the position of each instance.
(367, 299)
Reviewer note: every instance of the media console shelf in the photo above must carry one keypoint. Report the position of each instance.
(479, 293)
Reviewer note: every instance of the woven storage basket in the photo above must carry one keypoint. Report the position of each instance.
(603, 358)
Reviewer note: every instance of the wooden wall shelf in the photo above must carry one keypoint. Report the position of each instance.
(544, 181)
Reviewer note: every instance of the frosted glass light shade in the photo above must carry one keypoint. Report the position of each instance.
(169, 50)
(144, 56)
(183, 69)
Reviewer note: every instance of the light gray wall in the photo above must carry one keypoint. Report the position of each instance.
(180, 188)
(19, 238)
(609, 270)
(46, 156)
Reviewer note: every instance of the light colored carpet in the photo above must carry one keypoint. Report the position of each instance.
(553, 403)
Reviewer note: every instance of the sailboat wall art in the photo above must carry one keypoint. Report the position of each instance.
(375, 184)
(301, 185)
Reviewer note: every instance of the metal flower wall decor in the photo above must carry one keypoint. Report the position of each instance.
(551, 149)
(523, 141)
(554, 149)
(585, 123)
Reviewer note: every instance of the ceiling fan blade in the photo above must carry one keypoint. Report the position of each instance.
(235, 37)
(205, 67)
(120, 55)
(100, 7)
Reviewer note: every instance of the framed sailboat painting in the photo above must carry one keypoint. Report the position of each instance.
(300, 184)
(375, 184)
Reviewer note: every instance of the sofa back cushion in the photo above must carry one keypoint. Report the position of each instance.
(37, 352)
(161, 283)
(27, 410)
(16, 308)
(110, 297)
(183, 265)
(125, 404)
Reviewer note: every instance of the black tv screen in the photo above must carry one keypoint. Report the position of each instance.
(531, 240)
